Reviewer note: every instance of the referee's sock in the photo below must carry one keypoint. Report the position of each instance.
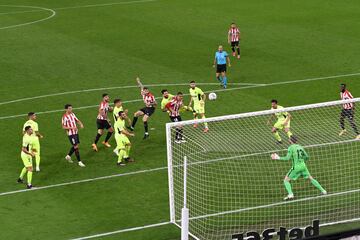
(225, 81)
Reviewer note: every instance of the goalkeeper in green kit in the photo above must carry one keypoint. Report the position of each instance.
(298, 156)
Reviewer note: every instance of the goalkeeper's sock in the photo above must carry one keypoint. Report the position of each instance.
(22, 174)
(288, 187)
(205, 124)
(289, 133)
(317, 185)
(29, 178)
(277, 136)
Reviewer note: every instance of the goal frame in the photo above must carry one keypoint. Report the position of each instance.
(171, 125)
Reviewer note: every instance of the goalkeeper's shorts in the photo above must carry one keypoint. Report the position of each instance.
(297, 172)
(280, 124)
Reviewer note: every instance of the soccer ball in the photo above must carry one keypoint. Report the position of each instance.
(212, 96)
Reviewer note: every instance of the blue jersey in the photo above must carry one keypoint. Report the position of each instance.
(221, 57)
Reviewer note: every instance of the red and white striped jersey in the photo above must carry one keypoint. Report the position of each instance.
(346, 95)
(234, 34)
(104, 106)
(175, 106)
(149, 99)
(70, 120)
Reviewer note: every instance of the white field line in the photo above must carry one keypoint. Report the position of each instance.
(156, 169)
(275, 204)
(218, 90)
(122, 231)
(73, 7)
(84, 181)
(53, 13)
(105, 4)
(117, 87)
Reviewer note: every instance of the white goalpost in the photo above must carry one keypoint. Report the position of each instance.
(224, 182)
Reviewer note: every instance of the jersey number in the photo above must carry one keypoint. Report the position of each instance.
(301, 154)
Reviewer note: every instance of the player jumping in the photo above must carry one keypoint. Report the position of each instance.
(348, 112)
(220, 61)
(298, 156)
(103, 122)
(283, 121)
(174, 107)
(147, 111)
(123, 144)
(234, 39)
(198, 97)
(36, 134)
(69, 123)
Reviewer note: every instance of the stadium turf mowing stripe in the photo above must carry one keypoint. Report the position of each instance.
(164, 168)
(138, 100)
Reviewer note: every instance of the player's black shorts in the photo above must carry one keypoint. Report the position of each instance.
(175, 119)
(148, 110)
(74, 139)
(103, 124)
(221, 68)
(349, 113)
(235, 44)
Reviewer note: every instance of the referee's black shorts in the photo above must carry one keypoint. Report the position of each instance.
(148, 110)
(103, 124)
(221, 68)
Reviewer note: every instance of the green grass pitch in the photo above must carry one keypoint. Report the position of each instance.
(165, 42)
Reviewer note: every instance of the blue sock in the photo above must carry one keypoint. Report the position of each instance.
(225, 81)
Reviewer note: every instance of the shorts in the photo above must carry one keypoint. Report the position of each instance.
(175, 119)
(103, 124)
(27, 159)
(148, 110)
(235, 44)
(74, 139)
(199, 109)
(122, 141)
(221, 68)
(280, 124)
(297, 172)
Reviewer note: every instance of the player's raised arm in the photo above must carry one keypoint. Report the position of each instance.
(141, 86)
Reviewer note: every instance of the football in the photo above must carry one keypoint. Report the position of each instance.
(212, 96)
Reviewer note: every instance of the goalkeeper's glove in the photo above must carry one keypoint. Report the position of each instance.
(275, 156)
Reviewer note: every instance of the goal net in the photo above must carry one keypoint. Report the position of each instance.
(233, 186)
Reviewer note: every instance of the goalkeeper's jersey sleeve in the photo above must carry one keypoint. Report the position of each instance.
(297, 155)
